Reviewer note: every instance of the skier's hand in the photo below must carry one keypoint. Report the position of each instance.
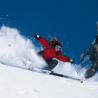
(36, 36)
(71, 61)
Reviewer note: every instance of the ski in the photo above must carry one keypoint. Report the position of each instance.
(48, 72)
(64, 76)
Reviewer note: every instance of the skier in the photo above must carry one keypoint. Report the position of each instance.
(52, 51)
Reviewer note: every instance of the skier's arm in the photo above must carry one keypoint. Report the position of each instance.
(63, 58)
(42, 41)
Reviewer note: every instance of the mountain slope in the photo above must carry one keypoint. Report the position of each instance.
(19, 83)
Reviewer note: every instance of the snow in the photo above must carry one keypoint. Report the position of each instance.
(66, 69)
(19, 83)
(16, 50)
(17, 54)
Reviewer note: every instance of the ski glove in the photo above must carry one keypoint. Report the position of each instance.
(71, 61)
(36, 36)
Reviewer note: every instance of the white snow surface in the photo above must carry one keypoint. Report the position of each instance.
(16, 82)
(19, 83)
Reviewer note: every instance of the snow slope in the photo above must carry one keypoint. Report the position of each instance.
(19, 83)
(16, 82)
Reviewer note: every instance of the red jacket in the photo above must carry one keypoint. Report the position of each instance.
(51, 52)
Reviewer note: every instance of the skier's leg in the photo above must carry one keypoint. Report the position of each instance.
(51, 63)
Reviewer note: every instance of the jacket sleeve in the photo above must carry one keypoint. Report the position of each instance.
(62, 58)
(42, 41)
